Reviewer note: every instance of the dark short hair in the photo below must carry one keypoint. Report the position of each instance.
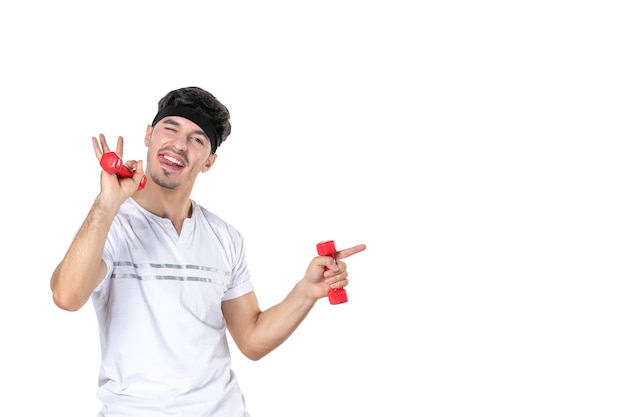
(200, 100)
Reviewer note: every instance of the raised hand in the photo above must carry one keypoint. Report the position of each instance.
(120, 176)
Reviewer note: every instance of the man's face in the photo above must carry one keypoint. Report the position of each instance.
(178, 150)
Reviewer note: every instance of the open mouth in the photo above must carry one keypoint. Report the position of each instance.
(171, 162)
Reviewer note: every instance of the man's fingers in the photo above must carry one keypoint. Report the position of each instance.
(119, 149)
(344, 253)
(96, 147)
(100, 146)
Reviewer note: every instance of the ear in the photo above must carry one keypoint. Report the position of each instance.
(209, 163)
(146, 140)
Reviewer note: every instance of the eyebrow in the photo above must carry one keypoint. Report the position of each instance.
(175, 123)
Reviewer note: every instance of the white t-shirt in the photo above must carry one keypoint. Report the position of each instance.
(162, 332)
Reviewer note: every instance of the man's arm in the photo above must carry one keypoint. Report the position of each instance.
(82, 267)
(257, 332)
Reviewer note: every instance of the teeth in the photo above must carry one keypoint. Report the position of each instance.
(176, 161)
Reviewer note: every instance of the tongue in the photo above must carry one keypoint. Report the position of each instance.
(170, 164)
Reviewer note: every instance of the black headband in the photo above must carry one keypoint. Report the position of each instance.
(195, 116)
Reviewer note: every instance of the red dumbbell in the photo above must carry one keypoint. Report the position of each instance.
(335, 295)
(113, 164)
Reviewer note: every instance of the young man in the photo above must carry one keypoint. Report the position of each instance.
(167, 277)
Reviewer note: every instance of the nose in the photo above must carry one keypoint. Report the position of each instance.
(180, 141)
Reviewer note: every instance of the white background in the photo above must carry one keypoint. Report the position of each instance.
(477, 148)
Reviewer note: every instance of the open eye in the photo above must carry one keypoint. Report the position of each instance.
(198, 140)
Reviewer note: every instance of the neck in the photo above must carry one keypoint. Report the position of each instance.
(174, 205)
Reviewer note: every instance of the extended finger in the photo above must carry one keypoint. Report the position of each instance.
(99, 146)
(344, 253)
(119, 149)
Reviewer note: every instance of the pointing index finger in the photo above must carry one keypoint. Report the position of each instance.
(344, 253)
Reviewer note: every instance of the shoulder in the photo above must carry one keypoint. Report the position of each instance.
(126, 211)
(129, 208)
(214, 221)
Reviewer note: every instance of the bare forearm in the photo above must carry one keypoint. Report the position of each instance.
(82, 267)
(257, 332)
(274, 325)
(282, 319)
